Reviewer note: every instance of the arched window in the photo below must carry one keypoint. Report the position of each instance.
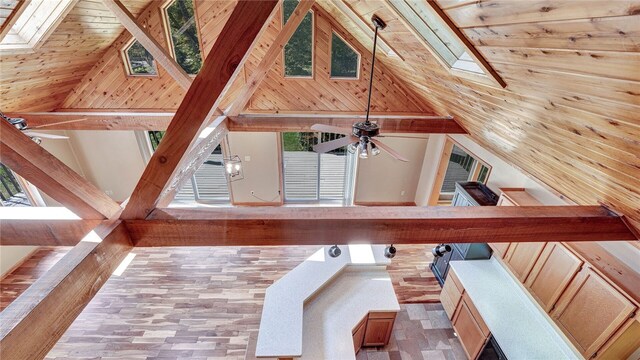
(345, 60)
(139, 61)
(298, 52)
(180, 19)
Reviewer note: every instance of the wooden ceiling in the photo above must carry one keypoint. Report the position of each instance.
(568, 116)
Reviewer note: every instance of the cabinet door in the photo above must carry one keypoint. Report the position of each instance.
(358, 334)
(378, 330)
(472, 336)
(551, 274)
(590, 311)
(521, 257)
(500, 249)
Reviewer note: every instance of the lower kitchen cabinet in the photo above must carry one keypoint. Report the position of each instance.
(551, 274)
(471, 329)
(521, 257)
(374, 330)
(590, 311)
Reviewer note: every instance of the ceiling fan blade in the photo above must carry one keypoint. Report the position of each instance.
(331, 129)
(334, 144)
(389, 150)
(45, 136)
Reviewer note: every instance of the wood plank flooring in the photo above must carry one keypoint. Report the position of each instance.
(200, 303)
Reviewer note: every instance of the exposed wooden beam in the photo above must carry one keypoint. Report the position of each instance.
(388, 123)
(260, 73)
(107, 119)
(52, 176)
(195, 113)
(44, 232)
(13, 17)
(376, 225)
(32, 324)
(162, 56)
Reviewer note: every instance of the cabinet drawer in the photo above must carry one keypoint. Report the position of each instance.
(455, 281)
(471, 334)
(447, 304)
(450, 293)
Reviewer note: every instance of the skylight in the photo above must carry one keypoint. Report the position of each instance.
(436, 34)
(37, 21)
(139, 61)
(345, 61)
(298, 52)
(183, 34)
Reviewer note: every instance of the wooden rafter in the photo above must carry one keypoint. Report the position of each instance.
(145, 38)
(388, 123)
(52, 176)
(195, 113)
(44, 232)
(375, 225)
(32, 324)
(13, 17)
(152, 119)
(260, 73)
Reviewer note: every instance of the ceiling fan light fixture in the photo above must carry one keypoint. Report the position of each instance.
(352, 148)
(364, 151)
(374, 150)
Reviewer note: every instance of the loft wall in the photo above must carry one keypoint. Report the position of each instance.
(108, 86)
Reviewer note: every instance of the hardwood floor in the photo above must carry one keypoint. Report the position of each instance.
(13, 284)
(196, 303)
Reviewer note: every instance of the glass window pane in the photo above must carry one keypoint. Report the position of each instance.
(140, 60)
(458, 170)
(333, 170)
(300, 166)
(210, 181)
(155, 137)
(11, 193)
(344, 60)
(298, 52)
(184, 35)
(483, 174)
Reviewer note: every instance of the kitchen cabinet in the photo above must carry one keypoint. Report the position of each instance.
(451, 294)
(551, 274)
(358, 334)
(590, 311)
(378, 329)
(625, 343)
(512, 197)
(521, 257)
(471, 329)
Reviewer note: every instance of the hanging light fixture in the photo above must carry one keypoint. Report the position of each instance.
(366, 129)
(334, 251)
(233, 167)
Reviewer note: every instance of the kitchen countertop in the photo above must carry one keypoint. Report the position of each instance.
(281, 325)
(520, 328)
(339, 307)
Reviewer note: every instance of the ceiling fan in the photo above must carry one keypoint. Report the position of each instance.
(360, 138)
(21, 124)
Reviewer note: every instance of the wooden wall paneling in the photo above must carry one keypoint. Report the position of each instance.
(40, 80)
(606, 34)
(14, 9)
(32, 324)
(109, 119)
(52, 176)
(274, 226)
(236, 39)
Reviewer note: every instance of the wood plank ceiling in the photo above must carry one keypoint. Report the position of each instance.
(569, 115)
(42, 79)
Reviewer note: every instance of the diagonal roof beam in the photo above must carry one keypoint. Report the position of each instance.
(52, 176)
(32, 324)
(270, 57)
(195, 113)
(149, 42)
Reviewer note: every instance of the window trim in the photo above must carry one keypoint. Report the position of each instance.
(359, 68)
(127, 62)
(167, 31)
(313, 48)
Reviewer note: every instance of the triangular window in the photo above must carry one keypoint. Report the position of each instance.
(345, 61)
(298, 52)
(139, 61)
(180, 18)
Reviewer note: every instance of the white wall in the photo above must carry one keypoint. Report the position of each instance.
(11, 255)
(384, 179)
(261, 171)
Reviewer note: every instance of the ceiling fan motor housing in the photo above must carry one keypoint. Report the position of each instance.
(368, 129)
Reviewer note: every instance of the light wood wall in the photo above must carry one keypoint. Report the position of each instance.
(108, 86)
(40, 80)
(569, 115)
